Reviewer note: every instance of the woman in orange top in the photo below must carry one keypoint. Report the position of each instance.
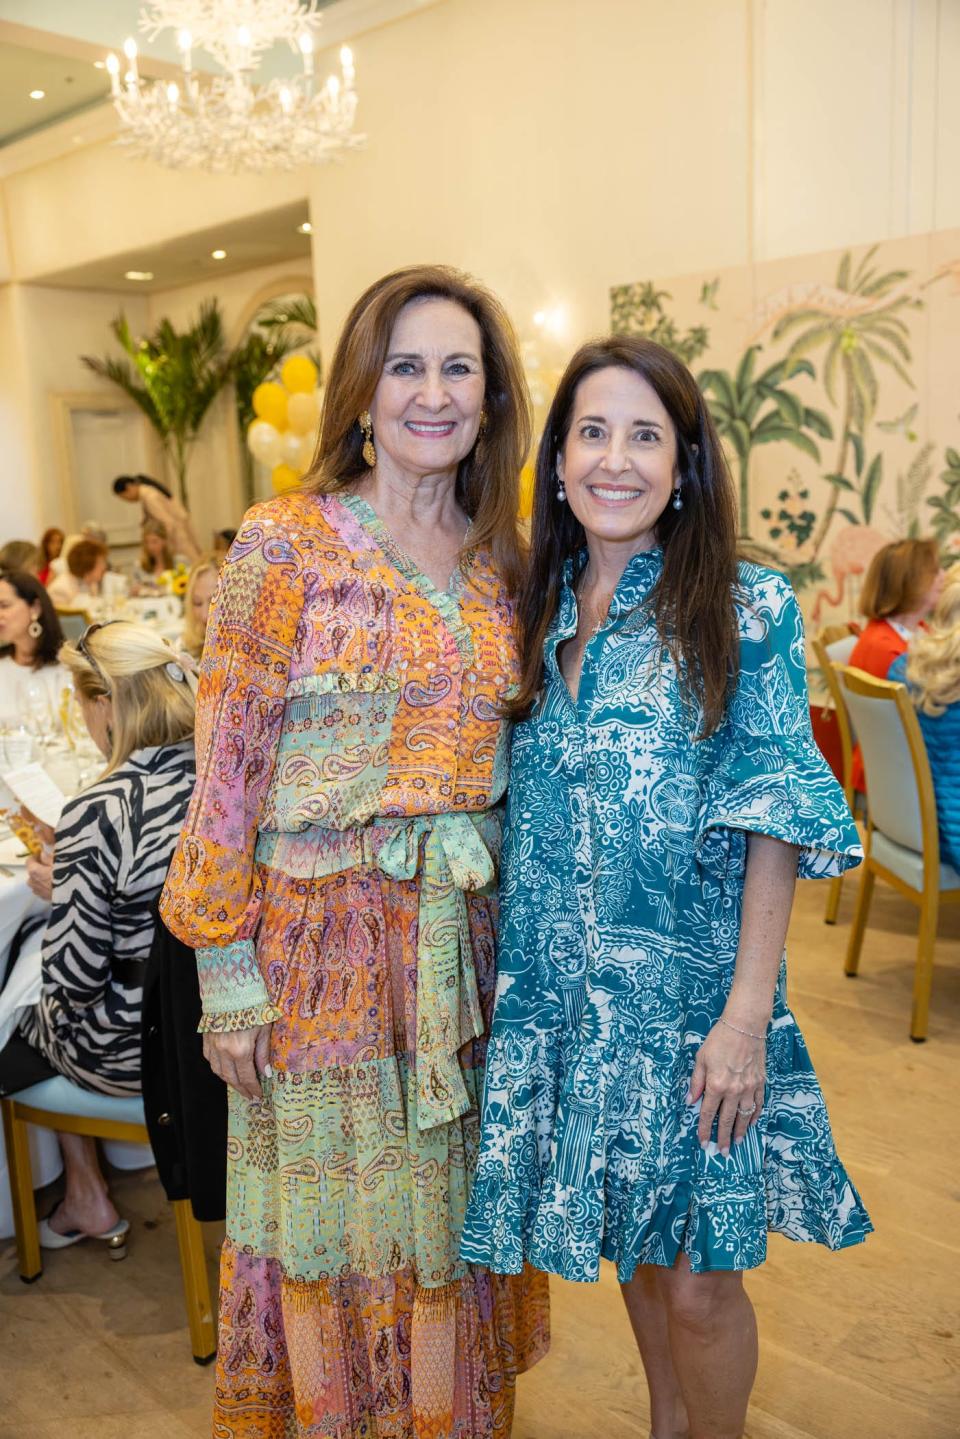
(336, 877)
(902, 586)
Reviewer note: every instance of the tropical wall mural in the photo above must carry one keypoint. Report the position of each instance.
(834, 380)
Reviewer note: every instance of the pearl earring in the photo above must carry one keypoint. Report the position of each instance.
(561, 492)
(677, 499)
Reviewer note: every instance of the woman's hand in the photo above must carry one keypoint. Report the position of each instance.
(729, 1074)
(40, 876)
(240, 1058)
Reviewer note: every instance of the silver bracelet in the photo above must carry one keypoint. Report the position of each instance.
(748, 1034)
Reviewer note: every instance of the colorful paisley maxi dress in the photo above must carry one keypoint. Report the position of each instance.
(336, 875)
(623, 868)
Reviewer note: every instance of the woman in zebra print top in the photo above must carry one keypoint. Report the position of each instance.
(114, 843)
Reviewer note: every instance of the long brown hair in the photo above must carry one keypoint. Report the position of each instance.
(693, 603)
(487, 485)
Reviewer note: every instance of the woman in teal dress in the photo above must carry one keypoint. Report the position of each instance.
(649, 1098)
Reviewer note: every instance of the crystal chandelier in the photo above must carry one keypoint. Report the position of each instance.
(227, 121)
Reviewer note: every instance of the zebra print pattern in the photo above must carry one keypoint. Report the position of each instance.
(114, 845)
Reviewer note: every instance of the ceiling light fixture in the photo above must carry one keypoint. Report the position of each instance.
(138, 275)
(38, 94)
(218, 254)
(226, 121)
(305, 228)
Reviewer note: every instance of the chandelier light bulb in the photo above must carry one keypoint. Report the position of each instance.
(221, 113)
(113, 64)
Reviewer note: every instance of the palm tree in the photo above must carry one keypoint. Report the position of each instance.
(856, 338)
(174, 377)
(752, 411)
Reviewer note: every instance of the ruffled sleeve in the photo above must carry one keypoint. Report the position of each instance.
(769, 777)
(212, 897)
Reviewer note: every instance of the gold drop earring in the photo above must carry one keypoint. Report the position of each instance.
(369, 448)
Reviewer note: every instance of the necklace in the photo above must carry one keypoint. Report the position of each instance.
(601, 613)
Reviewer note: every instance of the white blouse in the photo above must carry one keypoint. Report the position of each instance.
(26, 693)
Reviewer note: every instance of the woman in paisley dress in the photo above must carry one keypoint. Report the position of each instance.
(336, 876)
(649, 1098)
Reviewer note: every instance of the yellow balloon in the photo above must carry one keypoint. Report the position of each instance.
(270, 403)
(299, 374)
(284, 478)
(303, 413)
(526, 491)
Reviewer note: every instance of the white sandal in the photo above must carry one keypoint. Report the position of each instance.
(115, 1238)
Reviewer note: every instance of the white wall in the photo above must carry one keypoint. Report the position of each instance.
(43, 333)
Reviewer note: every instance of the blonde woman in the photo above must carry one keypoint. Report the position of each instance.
(931, 668)
(112, 849)
(155, 554)
(201, 585)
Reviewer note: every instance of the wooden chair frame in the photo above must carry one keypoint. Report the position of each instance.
(931, 896)
(193, 1265)
(829, 636)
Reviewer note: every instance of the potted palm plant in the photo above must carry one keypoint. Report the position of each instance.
(173, 376)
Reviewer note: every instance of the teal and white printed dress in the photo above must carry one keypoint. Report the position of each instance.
(623, 868)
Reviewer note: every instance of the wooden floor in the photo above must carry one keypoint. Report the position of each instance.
(859, 1345)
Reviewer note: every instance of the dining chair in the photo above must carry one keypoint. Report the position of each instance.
(58, 1104)
(833, 646)
(903, 841)
(73, 623)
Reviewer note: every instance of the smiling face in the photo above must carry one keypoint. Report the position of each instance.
(16, 616)
(619, 460)
(427, 405)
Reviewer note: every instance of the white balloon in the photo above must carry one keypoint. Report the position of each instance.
(263, 441)
(290, 448)
(308, 444)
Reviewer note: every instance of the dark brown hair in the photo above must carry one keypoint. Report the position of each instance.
(83, 557)
(898, 578)
(693, 602)
(46, 542)
(29, 589)
(488, 478)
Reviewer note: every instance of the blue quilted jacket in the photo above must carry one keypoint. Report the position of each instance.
(941, 735)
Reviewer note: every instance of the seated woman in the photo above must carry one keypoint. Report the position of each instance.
(51, 543)
(30, 640)
(902, 586)
(86, 567)
(112, 849)
(931, 669)
(201, 586)
(155, 556)
(21, 555)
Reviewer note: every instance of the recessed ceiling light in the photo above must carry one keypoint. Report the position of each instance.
(138, 275)
(305, 229)
(218, 254)
(38, 94)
